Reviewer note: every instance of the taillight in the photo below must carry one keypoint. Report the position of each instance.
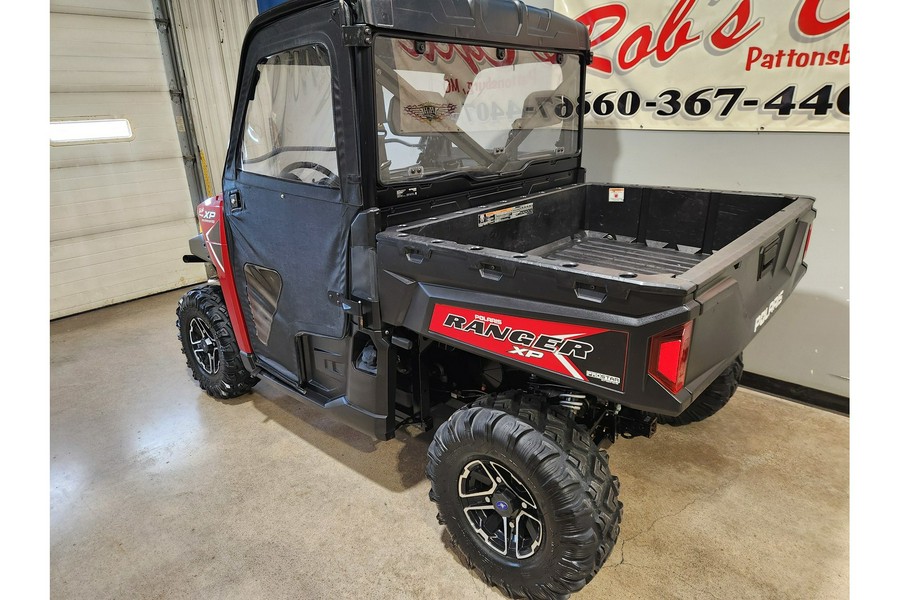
(808, 237)
(669, 356)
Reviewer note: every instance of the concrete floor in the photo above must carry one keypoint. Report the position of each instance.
(158, 491)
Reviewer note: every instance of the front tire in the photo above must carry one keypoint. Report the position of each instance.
(208, 343)
(508, 455)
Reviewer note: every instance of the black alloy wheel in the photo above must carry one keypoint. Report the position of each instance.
(526, 496)
(204, 346)
(500, 509)
(208, 343)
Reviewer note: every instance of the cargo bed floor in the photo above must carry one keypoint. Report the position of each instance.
(597, 250)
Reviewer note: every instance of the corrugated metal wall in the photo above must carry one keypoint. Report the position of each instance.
(210, 34)
(120, 212)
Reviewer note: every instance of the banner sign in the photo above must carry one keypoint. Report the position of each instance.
(727, 65)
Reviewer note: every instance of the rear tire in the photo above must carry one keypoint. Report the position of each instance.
(534, 453)
(713, 399)
(208, 343)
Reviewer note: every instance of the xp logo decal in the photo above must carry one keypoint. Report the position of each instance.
(576, 351)
(211, 228)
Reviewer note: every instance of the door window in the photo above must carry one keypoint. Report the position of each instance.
(289, 128)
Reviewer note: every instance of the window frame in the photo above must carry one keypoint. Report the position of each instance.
(240, 172)
(537, 166)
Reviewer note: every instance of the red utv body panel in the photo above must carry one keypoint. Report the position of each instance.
(212, 227)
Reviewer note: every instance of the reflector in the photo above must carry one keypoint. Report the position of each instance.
(808, 237)
(667, 363)
(669, 352)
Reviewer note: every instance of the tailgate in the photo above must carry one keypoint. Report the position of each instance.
(742, 285)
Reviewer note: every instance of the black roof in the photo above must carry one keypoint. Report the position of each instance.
(502, 22)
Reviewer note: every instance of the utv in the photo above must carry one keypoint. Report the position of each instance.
(405, 223)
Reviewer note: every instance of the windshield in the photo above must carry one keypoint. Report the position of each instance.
(446, 108)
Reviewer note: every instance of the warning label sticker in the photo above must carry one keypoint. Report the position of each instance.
(505, 214)
(617, 194)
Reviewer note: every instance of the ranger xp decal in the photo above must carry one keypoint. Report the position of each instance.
(584, 353)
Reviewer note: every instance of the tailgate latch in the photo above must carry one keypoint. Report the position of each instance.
(768, 256)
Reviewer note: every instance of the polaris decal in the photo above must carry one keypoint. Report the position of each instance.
(768, 311)
(588, 354)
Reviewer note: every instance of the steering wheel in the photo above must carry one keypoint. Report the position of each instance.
(288, 172)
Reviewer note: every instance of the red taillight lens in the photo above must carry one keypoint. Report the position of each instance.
(669, 355)
(806, 247)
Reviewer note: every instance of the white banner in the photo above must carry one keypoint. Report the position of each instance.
(727, 65)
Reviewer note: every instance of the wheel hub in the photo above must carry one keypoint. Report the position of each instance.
(504, 503)
(500, 509)
(204, 346)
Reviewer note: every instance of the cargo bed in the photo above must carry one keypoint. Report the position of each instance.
(621, 231)
(600, 249)
(632, 261)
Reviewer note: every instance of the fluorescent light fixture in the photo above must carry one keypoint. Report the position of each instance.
(85, 131)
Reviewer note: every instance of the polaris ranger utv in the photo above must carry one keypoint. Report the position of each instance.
(405, 223)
